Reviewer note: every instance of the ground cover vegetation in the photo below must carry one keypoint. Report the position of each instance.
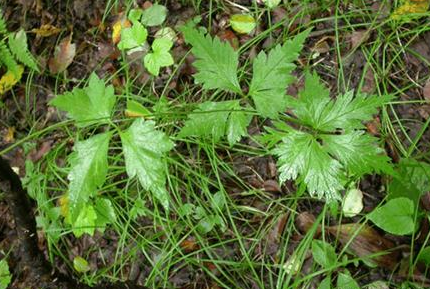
(214, 144)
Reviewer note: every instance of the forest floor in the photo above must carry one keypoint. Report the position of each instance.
(258, 232)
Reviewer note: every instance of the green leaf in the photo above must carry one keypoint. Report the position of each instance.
(205, 225)
(324, 254)
(424, 256)
(85, 222)
(344, 280)
(136, 109)
(217, 119)
(133, 36)
(88, 171)
(358, 152)
(160, 57)
(301, 154)
(216, 61)
(272, 74)
(315, 108)
(18, 46)
(135, 14)
(154, 15)
(80, 264)
(272, 4)
(144, 151)
(352, 203)
(91, 105)
(138, 209)
(5, 276)
(105, 213)
(411, 181)
(242, 23)
(395, 217)
(325, 284)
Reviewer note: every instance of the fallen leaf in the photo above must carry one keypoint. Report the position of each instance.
(353, 203)
(10, 135)
(9, 79)
(426, 90)
(242, 23)
(46, 30)
(63, 56)
(189, 245)
(366, 241)
(357, 37)
(230, 37)
(80, 265)
(117, 27)
(409, 8)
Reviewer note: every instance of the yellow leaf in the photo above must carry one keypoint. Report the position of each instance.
(64, 205)
(9, 79)
(10, 135)
(121, 23)
(46, 30)
(409, 7)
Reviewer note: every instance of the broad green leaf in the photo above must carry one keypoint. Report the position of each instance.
(80, 264)
(242, 23)
(272, 74)
(160, 57)
(5, 276)
(133, 36)
(136, 109)
(325, 284)
(352, 203)
(166, 32)
(88, 171)
(395, 217)
(217, 119)
(205, 225)
(272, 3)
(411, 181)
(358, 152)
(135, 14)
(85, 222)
(91, 105)
(345, 280)
(324, 254)
(424, 256)
(144, 151)
(301, 154)
(105, 213)
(218, 201)
(154, 15)
(216, 61)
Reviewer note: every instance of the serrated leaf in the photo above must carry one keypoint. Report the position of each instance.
(242, 23)
(85, 221)
(90, 105)
(358, 152)
(216, 119)
(154, 15)
(80, 264)
(144, 151)
(160, 57)
(5, 276)
(138, 209)
(395, 217)
(323, 253)
(133, 36)
(88, 171)
(216, 61)
(272, 74)
(301, 154)
(19, 47)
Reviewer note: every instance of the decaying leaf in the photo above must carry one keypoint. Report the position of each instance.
(117, 27)
(242, 23)
(63, 56)
(9, 79)
(10, 135)
(46, 30)
(410, 7)
(352, 203)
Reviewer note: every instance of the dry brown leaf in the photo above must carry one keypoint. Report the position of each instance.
(63, 56)
(366, 242)
(46, 30)
(356, 38)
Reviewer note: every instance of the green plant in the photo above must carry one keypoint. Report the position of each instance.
(5, 276)
(144, 148)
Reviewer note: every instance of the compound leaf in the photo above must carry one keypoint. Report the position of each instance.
(216, 61)
(144, 151)
(160, 57)
(90, 105)
(272, 74)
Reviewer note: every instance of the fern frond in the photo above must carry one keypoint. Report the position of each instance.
(7, 59)
(3, 29)
(18, 47)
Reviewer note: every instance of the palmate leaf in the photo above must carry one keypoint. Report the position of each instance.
(217, 119)
(272, 74)
(216, 61)
(91, 105)
(144, 151)
(336, 146)
(88, 172)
